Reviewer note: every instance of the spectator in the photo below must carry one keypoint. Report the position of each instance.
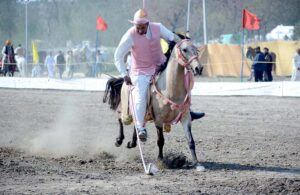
(36, 71)
(70, 64)
(8, 59)
(19, 56)
(250, 54)
(258, 65)
(296, 67)
(97, 68)
(50, 63)
(60, 63)
(268, 65)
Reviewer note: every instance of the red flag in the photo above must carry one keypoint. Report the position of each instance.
(101, 24)
(250, 20)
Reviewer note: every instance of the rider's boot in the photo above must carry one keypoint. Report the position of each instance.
(196, 115)
(142, 133)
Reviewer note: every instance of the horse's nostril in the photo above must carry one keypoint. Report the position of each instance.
(201, 69)
(197, 70)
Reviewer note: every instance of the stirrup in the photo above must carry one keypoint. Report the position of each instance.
(127, 120)
(167, 128)
(142, 133)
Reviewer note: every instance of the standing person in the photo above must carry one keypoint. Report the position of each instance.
(258, 65)
(143, 41)
(60, 63)
(268, 65)
(250, 54)
(98, 69)
(50, 64)
(8, 59)
(19, 56)
(70, 64)
(296, 67)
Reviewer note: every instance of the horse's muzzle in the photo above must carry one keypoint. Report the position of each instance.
(198, 70)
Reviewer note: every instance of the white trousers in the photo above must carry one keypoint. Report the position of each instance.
(138, 99)
(295, 75)
(21, 65)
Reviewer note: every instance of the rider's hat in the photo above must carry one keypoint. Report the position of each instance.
(140, 17)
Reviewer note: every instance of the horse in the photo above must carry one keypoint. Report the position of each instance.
(170, 96)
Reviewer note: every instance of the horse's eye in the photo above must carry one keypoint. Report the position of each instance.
(184, 50)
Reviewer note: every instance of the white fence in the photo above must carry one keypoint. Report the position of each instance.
(283, 88)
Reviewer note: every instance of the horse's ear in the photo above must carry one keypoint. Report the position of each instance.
(180, 35)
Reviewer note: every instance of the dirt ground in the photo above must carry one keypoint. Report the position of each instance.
(59, 142)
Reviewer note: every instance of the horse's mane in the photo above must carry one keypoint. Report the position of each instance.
(170, 50)
(113, 88)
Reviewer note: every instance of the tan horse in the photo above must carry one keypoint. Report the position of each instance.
(169, 98)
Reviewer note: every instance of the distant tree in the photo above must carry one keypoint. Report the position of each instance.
(8, 18)
(57, 21)
(172, 15)
(297, 31)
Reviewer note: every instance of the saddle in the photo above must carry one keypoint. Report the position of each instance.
(126, 115)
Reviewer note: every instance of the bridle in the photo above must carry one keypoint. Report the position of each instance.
(182, 60)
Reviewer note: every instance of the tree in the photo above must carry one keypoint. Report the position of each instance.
(8, 19)
(297, 31)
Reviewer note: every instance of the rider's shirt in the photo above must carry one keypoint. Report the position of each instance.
(146, 50)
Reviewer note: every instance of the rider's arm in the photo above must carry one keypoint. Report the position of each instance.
(3, 51)
(168, 35)
(123, 48)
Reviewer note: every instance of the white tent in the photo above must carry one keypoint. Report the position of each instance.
(281, 33)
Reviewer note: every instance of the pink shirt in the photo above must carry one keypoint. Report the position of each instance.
(128, 42)
(146, 53)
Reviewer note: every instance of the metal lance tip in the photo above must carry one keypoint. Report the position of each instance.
(151, 169)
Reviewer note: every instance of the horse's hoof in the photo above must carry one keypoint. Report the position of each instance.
(118, 142)
(131, 145)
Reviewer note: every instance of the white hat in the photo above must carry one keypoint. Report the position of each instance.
(140, 17)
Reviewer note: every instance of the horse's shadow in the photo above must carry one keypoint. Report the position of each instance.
(214, 166)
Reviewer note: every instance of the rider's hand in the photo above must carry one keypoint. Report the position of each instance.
(158, 69)
(127, 80)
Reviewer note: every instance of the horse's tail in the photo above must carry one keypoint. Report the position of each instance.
(113, 92)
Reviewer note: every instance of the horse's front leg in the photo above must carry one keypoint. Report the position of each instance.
(187, 126)
(132, 144)
(160, 141)
(121, 136)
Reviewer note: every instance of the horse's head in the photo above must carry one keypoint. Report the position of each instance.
(187, 56)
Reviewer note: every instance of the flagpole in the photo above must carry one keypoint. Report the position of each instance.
(242, 68)
(26, 39)
(204, 23)
(96, 48)
(188, 17)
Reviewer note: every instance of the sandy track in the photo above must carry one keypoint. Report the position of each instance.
(63, 143)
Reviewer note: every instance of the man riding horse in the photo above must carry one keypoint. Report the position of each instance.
(143, 40)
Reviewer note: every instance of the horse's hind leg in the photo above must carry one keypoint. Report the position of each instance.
(121, 136)
(132, 144)
(160, 142)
